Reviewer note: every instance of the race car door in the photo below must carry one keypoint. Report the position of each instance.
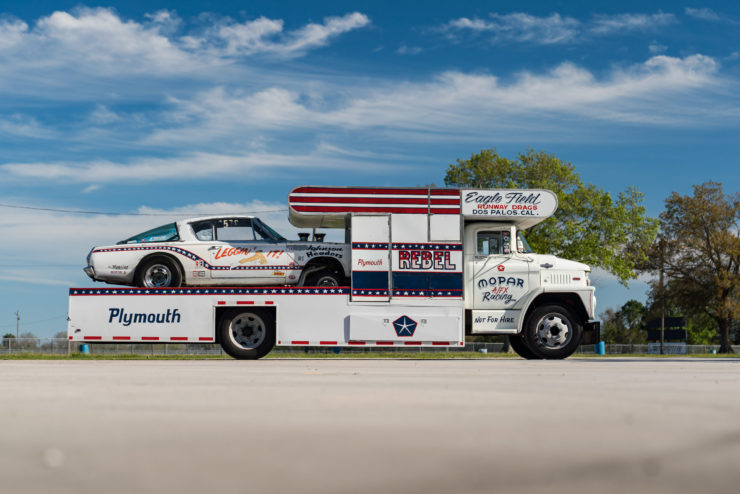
(238, 253)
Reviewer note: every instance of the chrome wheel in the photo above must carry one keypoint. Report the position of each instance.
(247, 330)
(554, 331)
(158, 276)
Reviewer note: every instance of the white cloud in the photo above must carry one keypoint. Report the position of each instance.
(66, 49)
(265, 35)
(555, 29)
(455, 103)
(656, 48)
(409, 50)
(102, 115)
(620, 23)
(521, 27)
(186, 167)
(25, 126)
(704, 14)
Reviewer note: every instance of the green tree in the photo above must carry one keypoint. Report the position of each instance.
(699, 253)
(6, 339)
(588, 226)
(625, 325)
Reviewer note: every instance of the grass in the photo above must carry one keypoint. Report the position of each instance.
(328, 356)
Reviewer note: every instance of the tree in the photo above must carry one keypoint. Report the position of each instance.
(588, 226)
(6, 339)
(700, 254)
(625, 326)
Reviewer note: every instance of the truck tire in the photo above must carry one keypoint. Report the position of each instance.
(551, 332)
(158, 272)
(520, 347)
(247, 333)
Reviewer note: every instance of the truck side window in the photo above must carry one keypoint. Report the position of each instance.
(489, 243)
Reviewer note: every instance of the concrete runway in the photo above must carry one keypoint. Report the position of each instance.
(368, 426)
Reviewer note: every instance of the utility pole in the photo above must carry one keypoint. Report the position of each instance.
(17, 323)
(662, 297)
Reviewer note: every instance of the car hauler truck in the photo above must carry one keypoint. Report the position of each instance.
(428, 266)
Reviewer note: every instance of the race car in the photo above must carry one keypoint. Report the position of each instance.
(218, 250)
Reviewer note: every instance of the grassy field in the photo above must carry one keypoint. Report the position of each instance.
(364, 355)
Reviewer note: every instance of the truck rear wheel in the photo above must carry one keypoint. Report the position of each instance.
(247, 333)
(521, 348)
(551, 332)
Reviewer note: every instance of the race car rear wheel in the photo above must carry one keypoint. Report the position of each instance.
(325, 277)
(159, 272)
(247, 333)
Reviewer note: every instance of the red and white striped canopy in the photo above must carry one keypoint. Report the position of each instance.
(327, 207)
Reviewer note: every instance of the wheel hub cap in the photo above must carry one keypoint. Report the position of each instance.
(248, 330)
(553, 331)
(158, 275)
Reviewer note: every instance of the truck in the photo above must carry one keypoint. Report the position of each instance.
(428, 266)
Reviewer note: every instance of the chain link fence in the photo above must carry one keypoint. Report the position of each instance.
(60, 346)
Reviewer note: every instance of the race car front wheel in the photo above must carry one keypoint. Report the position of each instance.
(159, 272)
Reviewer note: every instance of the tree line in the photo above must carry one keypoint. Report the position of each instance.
(693, 245)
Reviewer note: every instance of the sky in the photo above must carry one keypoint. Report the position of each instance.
(146, 112)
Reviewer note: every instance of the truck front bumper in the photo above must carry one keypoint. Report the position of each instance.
(591, 333)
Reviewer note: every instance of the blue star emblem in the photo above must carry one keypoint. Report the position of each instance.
(404, 326)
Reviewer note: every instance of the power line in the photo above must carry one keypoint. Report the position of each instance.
(35, 322)
(112, 213)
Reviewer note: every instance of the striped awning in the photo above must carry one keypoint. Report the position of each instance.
(328, 207)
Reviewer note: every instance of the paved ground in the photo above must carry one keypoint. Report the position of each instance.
(339, 426)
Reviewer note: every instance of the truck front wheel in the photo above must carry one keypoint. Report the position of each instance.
(551, 332)
(247, 333)
(521, 348)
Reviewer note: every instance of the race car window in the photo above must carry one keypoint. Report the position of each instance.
(264, 232)
(234, 230)
(164, 233)
(203, 230)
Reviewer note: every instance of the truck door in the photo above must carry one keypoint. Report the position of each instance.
(371, 258)
(497, 277)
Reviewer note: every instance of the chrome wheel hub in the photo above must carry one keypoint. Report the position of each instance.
(247, 330)
(554, 331)
(157, 276)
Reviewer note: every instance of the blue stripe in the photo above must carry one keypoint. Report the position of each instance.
(427, 281)
(370, 280)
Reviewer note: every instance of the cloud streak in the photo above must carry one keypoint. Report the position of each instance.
(521, 27)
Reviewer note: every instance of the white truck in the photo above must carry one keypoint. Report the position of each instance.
(428, 266)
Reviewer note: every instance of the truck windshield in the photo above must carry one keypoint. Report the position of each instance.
(521, 244)
(164, 233)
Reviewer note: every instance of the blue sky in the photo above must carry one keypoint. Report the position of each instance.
(180, 108)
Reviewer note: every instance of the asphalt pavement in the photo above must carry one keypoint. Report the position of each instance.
(367, 426)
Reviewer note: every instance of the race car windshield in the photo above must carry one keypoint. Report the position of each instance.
(164, 233)
(266, 232)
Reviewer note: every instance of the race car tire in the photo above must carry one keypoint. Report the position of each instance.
(159, 272)
(551, 332)
(325, 277)
(520, 347)
(247, 334)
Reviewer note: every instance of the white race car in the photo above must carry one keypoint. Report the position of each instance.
(221, 250)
